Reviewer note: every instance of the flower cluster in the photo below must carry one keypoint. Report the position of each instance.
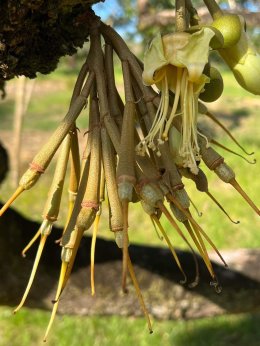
(139, 147)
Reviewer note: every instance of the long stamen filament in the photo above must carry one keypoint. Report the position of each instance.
(16, 194)
(212, 117)
(125, 244)
(31, 242)
(189, 148)
(175, 103)
(159, 119)
(154, 218)
(63, 270)
(200, 230)
(239, 189)
(139, 293)
(221, 208)
(35, 266)
(201, 247)
(156, 230)
(92, 256)
(199, 213)
(213, 141)
(195, 224)
(174, 224)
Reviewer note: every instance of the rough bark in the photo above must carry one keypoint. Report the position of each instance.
(35, 34)
(158, 277)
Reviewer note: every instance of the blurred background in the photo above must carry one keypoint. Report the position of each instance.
(47, 103)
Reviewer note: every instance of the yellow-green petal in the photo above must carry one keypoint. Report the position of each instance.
(194, 55)
(154, 60)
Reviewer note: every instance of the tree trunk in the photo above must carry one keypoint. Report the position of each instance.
(22, 99)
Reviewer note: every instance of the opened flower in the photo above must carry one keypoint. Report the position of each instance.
(175, 63)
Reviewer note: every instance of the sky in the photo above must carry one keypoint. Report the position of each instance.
(105, 9)
(111, 8)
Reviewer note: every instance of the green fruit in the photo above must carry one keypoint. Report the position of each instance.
(244, 61)
(230, 27)
(247, 74)
(213, 89)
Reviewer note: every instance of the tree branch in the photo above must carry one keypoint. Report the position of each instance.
(166, 17)
(35, 34)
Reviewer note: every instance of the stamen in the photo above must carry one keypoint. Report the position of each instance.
(138, 292)
(72, 258)
(216, 285)
(239, 189)
(189, 148)
(212, 117)
(35, 266)
(174, 224)
(199, 213)
(125, 244)
(92, 256)
(63, 270)
(16, 194)
(31, 242)
(196, 225)
(233, 152)
(155, 219)
(158, 122)
(220, 206)
(205, 137)
(201, 247)
(175, 103)
(156, 230)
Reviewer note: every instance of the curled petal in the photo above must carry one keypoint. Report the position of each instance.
(172, 43)
(154, 60)
(194, 55)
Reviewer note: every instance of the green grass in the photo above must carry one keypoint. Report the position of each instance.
(50, 100)
(28, 327)
(232, 88)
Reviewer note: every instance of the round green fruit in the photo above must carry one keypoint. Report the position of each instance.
(230, 27)
(213, 89)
